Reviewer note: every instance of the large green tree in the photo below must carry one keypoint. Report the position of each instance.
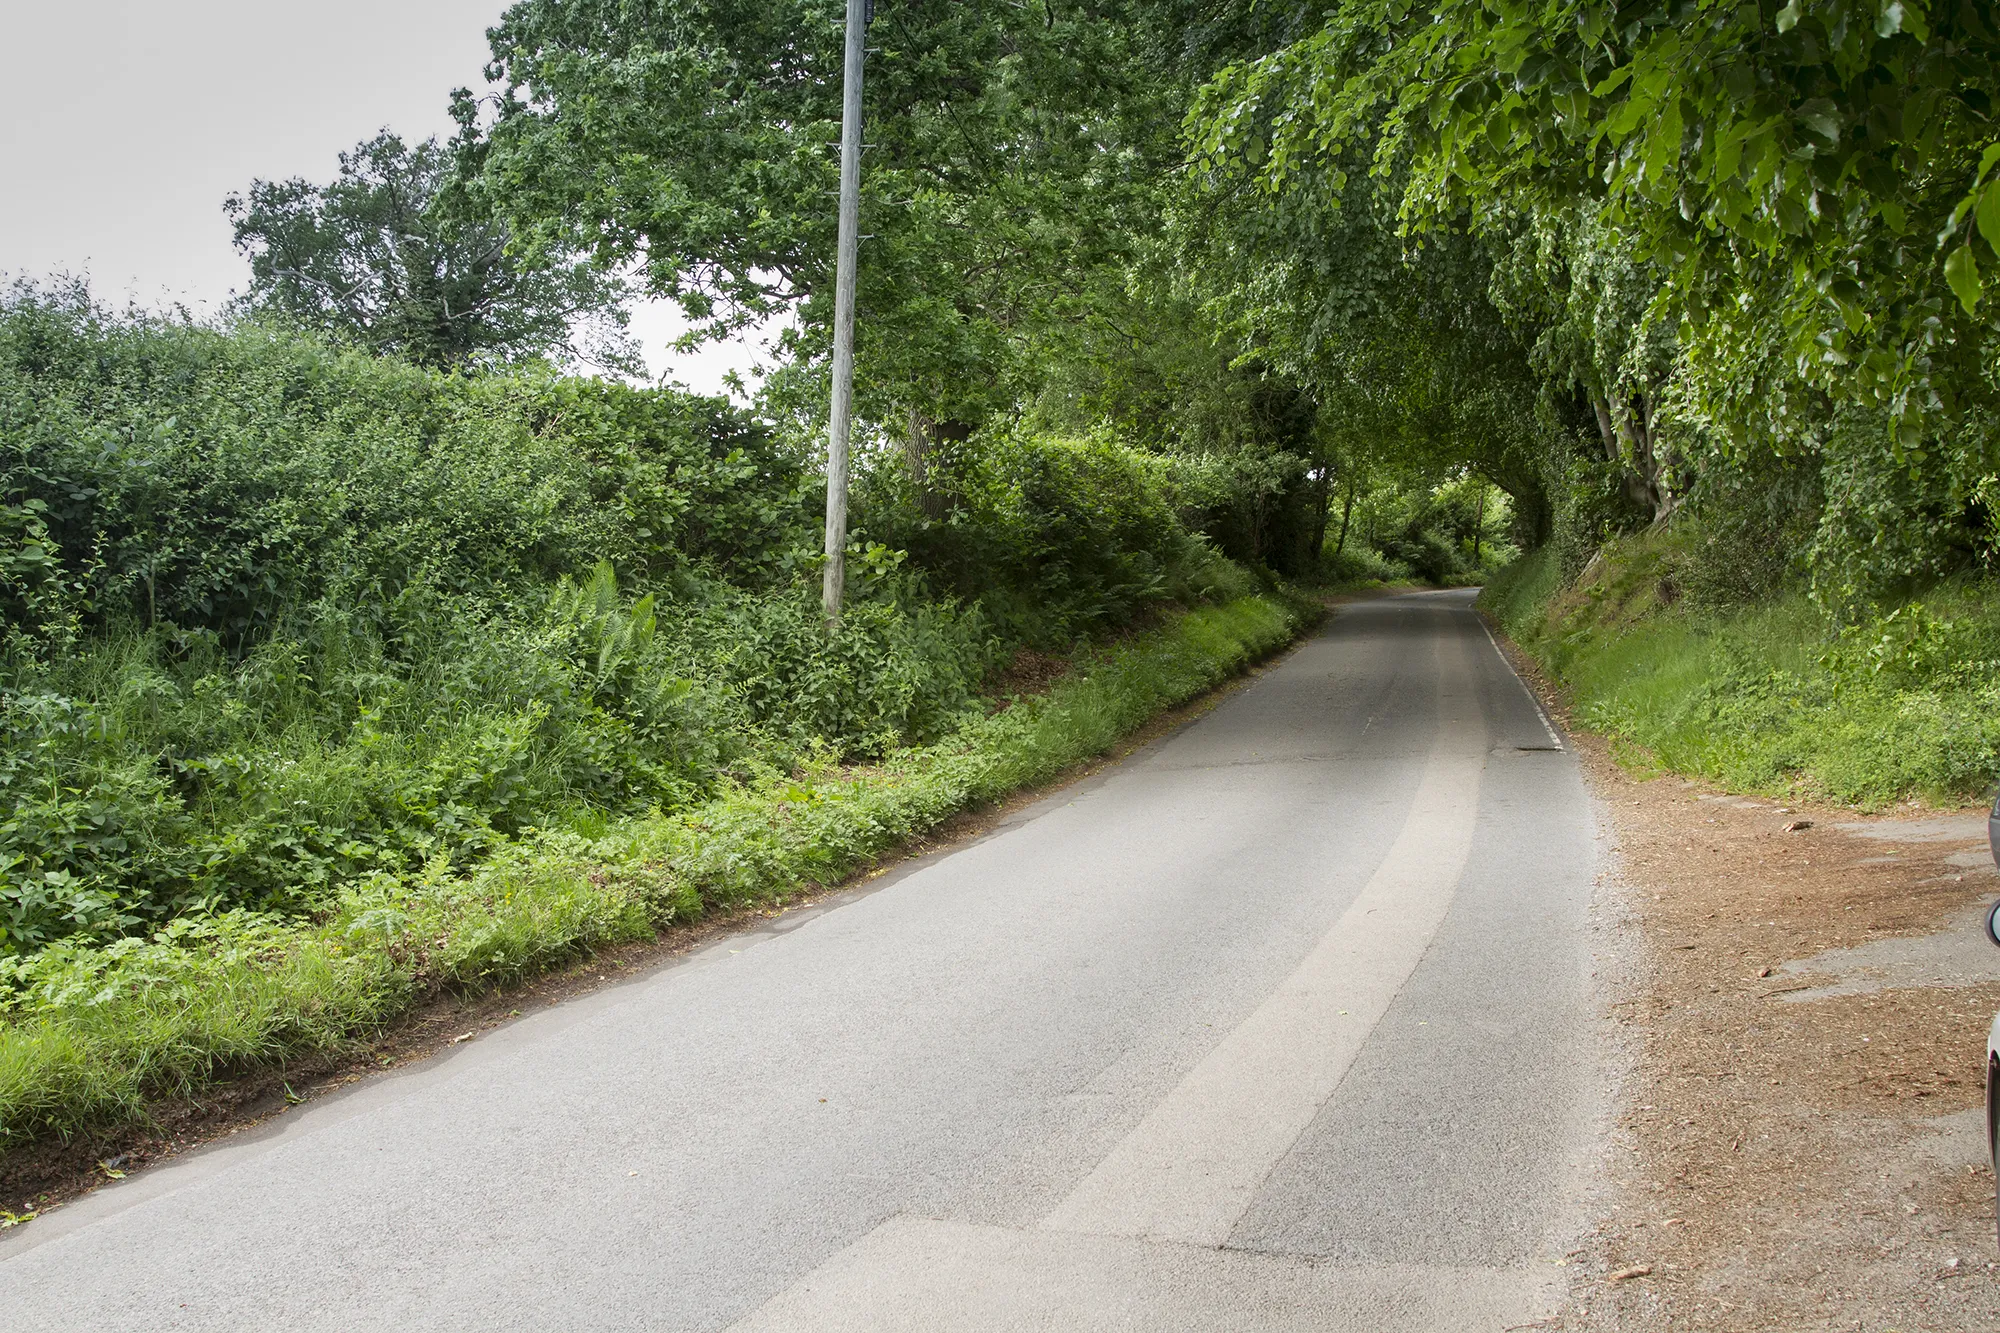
(1010, 149)
(1782, 211)
(1411, 363)
(385, 256)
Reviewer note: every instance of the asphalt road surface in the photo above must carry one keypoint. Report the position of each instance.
(1285, 1022)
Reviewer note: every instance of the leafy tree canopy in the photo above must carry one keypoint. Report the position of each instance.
(1737, 231)
(1836, 156)
(1010, 149)
(385, 256)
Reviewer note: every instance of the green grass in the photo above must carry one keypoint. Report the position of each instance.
(90, 1034)
(1771, 698)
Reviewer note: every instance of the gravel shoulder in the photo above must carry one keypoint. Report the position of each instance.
(1799, 1139)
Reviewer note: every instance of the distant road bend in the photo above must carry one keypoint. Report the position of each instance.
(1285, 1022)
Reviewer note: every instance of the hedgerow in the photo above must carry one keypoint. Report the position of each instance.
(281, 618)
(91, 1033)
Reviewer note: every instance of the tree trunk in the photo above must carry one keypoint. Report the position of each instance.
(1323, 514)
(1478, 523)
(1630, 440)
(1606, 429)
(920, 443)
(1346, 515)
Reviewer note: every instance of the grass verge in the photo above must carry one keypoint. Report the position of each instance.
(89, 1035)
(1774, 697)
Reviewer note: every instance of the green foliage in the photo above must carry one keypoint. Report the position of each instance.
(1022, 162)
(283, 618)
(1009, 149)
(280, 618)
(1518, 595)
(1445, 534)
(1771, 697)
(164, 472)
(1412, 366)
(88, 1034)
(382, 257)
(1249, 457)
(1058, 537)
(1835, 139)
(1728, 239)
(144, 781)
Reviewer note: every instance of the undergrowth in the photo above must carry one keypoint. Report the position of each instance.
(1902, 700)
(90, 1033)
(278, 619)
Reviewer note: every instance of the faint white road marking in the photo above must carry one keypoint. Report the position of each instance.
(1533, 702)
(1190, 1169)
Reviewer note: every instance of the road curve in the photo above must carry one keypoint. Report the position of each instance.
(1285, 1022)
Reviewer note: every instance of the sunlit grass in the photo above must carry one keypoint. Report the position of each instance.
(1774, 698)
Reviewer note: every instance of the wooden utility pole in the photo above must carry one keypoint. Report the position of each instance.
(841, 417)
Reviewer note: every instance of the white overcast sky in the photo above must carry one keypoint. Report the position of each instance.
(124, 124)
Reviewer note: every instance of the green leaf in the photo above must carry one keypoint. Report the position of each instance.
(1891, 21)
(1820, 116)
(1986, 161)
(1988, 215)
(1612, 82)
(1663, 144)
(1961, 270)
(1788, 17)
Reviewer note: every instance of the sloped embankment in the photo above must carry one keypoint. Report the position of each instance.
(1778, 697)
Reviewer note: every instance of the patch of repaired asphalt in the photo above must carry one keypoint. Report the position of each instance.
(1936, 828)
(1955, 1141)
(1958, 955)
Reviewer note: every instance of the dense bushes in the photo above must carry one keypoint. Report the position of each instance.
(281, 617)
(173, 474)
(1402, 529)
(1055, 536)
(90, 1033)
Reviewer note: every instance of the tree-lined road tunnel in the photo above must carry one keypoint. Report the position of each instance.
(1287, 1021)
